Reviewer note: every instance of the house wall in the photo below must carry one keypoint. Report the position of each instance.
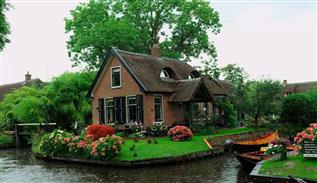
(104, 90)
(172, 112)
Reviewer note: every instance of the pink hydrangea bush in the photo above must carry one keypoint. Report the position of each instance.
(180, 133)
(309, 133)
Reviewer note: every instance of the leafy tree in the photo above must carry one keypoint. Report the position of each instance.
(4, 25)
(25, 105)
(300, 109)
(263, 98)
(211, 69)
(180, 28)
(68, 97)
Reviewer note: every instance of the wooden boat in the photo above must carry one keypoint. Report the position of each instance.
(250, 159)
(255, 144)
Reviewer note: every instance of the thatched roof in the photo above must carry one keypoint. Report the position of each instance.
(7, 88)
(146, 69)
(300, 87)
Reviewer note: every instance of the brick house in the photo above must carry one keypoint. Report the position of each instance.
(133, 87)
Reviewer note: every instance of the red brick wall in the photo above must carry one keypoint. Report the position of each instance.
(172, 112)
(104, 90)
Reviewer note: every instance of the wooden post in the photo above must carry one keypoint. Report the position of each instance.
(17, 139)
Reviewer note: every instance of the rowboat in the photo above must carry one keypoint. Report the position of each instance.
(250, 159)
(255, 144)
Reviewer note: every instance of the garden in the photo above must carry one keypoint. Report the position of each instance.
(296, 165)
(100, 142)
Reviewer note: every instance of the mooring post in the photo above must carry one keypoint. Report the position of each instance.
(17, 139)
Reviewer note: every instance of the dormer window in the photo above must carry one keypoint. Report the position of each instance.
(115, 77)
(191, 76)
(164, 74)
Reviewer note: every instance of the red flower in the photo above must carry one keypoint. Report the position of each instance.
(95, 131)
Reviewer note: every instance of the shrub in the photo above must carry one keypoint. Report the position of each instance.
(137, 130)
(63, 144)
(95, 131)
(157, 130)
(309, 133)
(6, 140)
(180, 133)
(300, 109)
(55, 143)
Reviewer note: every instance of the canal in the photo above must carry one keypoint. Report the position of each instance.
(19, 165)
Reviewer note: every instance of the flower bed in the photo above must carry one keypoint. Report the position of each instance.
(63, 144)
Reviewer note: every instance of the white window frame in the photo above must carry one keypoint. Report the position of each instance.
(165, 73)
(115, 67)
(106, 118)
(127, 108)
(157, 95)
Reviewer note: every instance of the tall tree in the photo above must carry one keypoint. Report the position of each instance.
(263, 98)
(181, 28)
(4, 25)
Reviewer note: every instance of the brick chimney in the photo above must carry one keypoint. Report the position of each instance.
(28, 76)
(155, 50)
(284, 83)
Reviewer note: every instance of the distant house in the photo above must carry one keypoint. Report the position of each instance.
(290, 88)
(133, 87)
(7, 88)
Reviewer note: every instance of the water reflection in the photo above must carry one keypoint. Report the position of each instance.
(21, 166)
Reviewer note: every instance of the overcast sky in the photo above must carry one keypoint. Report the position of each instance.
(267, 38)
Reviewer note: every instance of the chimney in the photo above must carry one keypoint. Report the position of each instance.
(27, 76)
(284, 83)
(155, 50)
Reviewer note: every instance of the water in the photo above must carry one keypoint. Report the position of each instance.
(19, 165)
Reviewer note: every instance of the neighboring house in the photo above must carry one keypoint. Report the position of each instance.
(132, 87)
(7, 88)
(290, 88)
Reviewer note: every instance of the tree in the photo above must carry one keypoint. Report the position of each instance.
(300, 109)
(263, 98)
(4, 25)
(211, 69)
(68, 97)
(24, 105)
(180, 28)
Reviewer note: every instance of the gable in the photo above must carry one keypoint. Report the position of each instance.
(112, 60)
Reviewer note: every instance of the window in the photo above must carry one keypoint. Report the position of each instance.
(132, 109)
(109, 110)
(115, 77)
(164, 74)
(191, 76)
(158, 108)
(101, 110)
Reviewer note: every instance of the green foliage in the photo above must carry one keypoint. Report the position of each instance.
(63, 101)
(181, 26)
(4, 25)
(6, 140)
(25, 105)
(230, 113)
(68, 97)
(263, 98)
(300, 109)
(157, 130)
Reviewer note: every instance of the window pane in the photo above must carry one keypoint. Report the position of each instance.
(109, 102)
(131, 100)
(157, 99)
(158, 112)
(116, 77)
(109, 113)
(132, 114)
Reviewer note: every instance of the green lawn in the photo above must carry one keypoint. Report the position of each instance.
(296, 166)
(168, 148)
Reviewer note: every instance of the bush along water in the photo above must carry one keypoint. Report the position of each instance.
(180, 133)
(63, 144)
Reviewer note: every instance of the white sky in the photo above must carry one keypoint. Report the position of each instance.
(267, 38)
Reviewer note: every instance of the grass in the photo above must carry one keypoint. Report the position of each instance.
(167, 148)
(6, 140)
(295, 166)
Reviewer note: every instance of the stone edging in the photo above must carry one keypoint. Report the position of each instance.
(136, 163)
